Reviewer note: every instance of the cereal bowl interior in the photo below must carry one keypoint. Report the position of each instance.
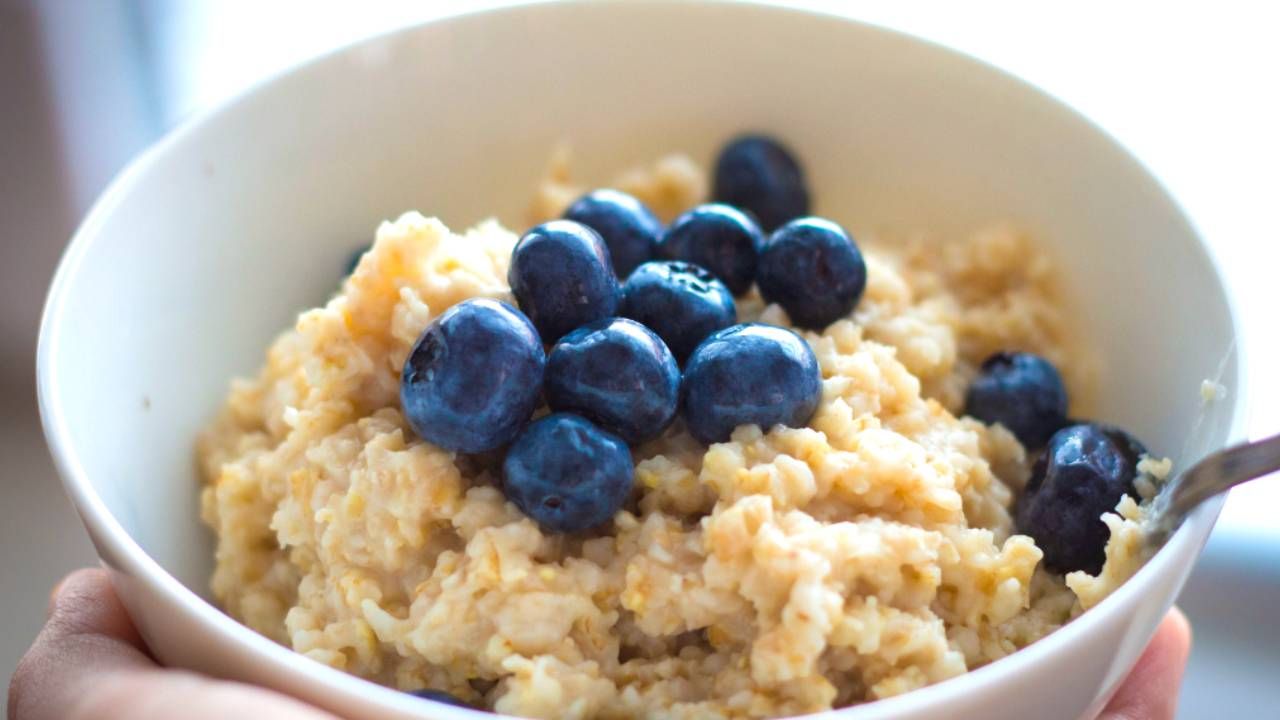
(212, 242)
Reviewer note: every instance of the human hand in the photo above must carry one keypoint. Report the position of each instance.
(1150, 692)
(89, 663)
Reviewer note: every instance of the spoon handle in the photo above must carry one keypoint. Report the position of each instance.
(1221, 471)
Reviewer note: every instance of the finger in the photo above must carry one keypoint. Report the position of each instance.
(85, 604)
(87, 630)
(89, 663)
(1151, 690)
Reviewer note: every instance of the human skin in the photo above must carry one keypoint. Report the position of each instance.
(89, 663)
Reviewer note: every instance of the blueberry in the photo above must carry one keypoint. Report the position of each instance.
(354, 259)
(567, 474)
(563, 278)
(759, 174)
(440, 696)
(618, 374)
(627, 227)
(721, 239)
(750, 374)
(1021, 391)
(812, 268)
(473, 378)
(1082, 474)
(680, 301)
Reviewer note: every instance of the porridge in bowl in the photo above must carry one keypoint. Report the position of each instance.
(848, 480)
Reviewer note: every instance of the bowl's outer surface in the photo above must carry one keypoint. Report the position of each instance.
(208, 245)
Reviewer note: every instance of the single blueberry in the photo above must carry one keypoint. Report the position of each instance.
(473, 378)
(1082, 474)
(813, 269)
(617, 374)
(562, 277)
(680, 301)
(759, 174)
(721, 239)
(567, 474)
(440, 696)
(1021, 391)
(750, 374)
(354, 259)
(628, 228)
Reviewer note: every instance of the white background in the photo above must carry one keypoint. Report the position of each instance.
(1192, 89)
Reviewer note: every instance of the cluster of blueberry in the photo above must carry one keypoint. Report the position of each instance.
(613, 377)
(1082, 472)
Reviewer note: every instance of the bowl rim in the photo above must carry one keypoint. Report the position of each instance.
(135, 562)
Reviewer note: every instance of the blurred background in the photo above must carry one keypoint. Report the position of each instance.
(1191, 89)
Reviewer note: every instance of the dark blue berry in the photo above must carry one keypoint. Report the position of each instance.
(619, 375)
(721, 239)
(751, 374)
(1022, 392)
(627, 227)
(562, 277)
(473, 378)
(354, 259)
(567, 474)
(812, 268)
(440, 696)
(1082, 474)
(680, 301)
(757, 173)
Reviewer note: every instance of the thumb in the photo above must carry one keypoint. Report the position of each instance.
(89, 663)
(1150, 692)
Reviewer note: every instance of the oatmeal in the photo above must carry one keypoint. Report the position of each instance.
(782, 572)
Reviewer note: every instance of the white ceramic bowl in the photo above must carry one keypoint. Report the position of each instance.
(209, 243)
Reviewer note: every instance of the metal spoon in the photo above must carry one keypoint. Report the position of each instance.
(1216, 473)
